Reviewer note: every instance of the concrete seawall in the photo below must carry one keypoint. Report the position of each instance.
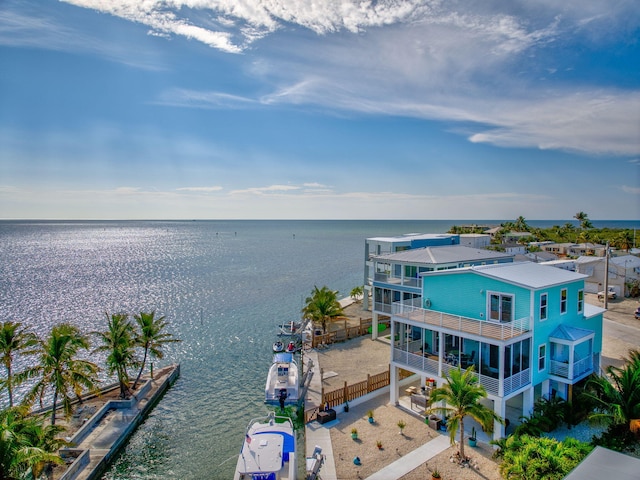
(108, 430)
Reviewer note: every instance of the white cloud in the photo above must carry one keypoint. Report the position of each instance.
(266, 190)
(631, 190)
(200, 189)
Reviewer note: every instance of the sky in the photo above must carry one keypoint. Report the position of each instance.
(319, 109)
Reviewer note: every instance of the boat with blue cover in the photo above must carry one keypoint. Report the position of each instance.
(268, 451)
(282, 386)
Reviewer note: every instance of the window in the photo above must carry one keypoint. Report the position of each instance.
(501, 307)
(580, 301)
(542, 355)
(543, 306)
(563, 300)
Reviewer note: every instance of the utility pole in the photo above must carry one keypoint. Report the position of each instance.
(606, 276)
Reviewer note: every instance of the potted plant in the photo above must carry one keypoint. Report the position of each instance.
(379, 444)
(354, 433)
(435, 474)
(472, 438)
(401, 424)
(370, 415)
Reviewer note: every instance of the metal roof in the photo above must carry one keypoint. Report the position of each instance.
(529, 274)
(604, 463)
(407, 237)
(572, 334)
(443, 255)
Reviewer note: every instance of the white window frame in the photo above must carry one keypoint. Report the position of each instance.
(542, 357)
(564, 297)
(544, 307)
(580, 301)
(500, 296)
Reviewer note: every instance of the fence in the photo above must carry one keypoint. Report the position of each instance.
(349, 393)
(344, 332)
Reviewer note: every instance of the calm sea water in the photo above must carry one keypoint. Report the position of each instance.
(222, 286)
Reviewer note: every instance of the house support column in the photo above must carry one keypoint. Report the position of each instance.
(527, 402)
(374, 325)
(393, 370)
(500, 409)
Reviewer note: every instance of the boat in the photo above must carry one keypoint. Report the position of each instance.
(278, 347)
(268, 451)
(291, 347)
(288, 329)
(282, 381)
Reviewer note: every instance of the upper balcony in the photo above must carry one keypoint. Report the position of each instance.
(481, 328)
(393, 280)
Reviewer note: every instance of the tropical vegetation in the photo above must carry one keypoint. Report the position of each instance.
(528, 457)
(14, 340)
(28, 441)
(460, 396)
(322, 306)
(59, 370)
(151, 337)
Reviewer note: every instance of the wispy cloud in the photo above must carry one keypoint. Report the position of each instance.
(632, 190)
(200, 189)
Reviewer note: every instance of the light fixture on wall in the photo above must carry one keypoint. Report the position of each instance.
(481, 291)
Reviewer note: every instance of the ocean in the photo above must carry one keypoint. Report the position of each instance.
(223, 286)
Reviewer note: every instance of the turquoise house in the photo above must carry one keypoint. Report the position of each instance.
(524, 327)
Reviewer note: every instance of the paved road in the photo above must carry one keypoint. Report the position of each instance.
(618, 340)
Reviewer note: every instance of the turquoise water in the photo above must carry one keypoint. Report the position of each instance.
(222, 285)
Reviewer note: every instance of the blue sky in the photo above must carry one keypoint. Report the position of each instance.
(293, 109)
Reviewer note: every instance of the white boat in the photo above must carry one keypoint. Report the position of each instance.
(278, 347)
(282, 385)
(268, 451)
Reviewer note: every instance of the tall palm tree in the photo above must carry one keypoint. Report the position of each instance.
(584, 220)
(521, 224)
(27, 444)
(322, 306)
(60, 370)
(151, 338)
(14, 339)
(461, 396)
(119, 343)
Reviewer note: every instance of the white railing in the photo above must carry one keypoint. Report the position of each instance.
(393, 280)
(580, 367)
(516, 381)
(483, 328)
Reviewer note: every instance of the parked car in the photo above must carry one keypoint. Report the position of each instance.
(612, 294)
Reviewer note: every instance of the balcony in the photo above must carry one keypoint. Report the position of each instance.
(432, 366)
(578, 370)
(482, 328)
(392, 280)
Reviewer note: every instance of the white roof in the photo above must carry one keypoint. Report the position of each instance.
(604, 463)
(529, 274)
(443, 255)
(407, 237)
(626, 261)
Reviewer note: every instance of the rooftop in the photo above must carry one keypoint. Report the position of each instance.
(442, 255)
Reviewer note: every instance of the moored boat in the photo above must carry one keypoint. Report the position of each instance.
(288, 329)
(282, 385)
(278, 347)
(268, 451)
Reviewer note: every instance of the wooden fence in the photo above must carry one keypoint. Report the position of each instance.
(341, 331)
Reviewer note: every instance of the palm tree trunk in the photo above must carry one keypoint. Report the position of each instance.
(462, 457)
(9, 386)
(53, 411)
(144, 361)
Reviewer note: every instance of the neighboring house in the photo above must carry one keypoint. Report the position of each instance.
(397, 276)
(583, 249)
(475, 240)
(514, 248)
(525, 328)
(559, 249)
(564, 264)
(594, 268)
(399, 243)
(539, 257)
(631, 265)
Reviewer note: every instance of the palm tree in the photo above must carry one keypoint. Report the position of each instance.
(60, 370)
(27, 444)
(151, 338)
(14, 339)
(617, 395)
(462, 396)
(584, 220)
(119, 343)
(322, 306)
(521, 224)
